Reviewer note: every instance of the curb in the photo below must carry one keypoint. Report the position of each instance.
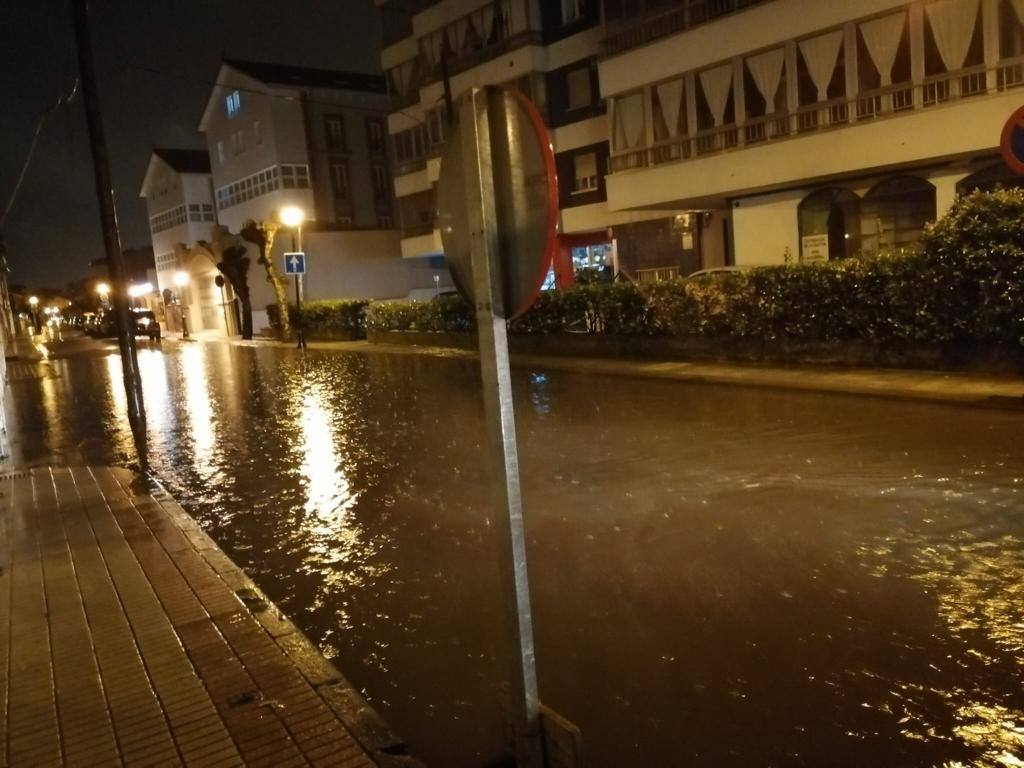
(367, 727)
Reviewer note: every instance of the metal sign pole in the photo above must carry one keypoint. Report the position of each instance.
(485, 251)
(298, 315)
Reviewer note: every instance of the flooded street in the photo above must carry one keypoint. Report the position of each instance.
(721, 576)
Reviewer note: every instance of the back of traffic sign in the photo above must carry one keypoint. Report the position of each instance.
(515, 145)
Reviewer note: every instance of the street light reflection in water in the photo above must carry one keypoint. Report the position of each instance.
(724, 576)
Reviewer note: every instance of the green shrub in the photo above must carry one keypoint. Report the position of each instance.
(333, 315)
(964, 284)
(446, 313)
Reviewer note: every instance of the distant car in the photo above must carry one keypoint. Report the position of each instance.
(101, 325)
(146, 324)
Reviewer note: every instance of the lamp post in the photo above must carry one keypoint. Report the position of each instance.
(292, 217)
(33, 301)
(181, 280)
(104, 291)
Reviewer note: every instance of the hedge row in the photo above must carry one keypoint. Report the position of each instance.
(964, 285)
(334, 315)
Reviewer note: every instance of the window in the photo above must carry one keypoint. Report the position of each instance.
(237, 143)
(380, 182)
(251, 187)
(233, 103)
(385, 222)
(895, 212)
(577, 84)
(220, 152)
(257, 132)
(339, 181)
(830, 224)
(572, 10)
(334, 126)
(295, 176)
(435, 126)
(585, 172)
(169, 219)
(375, 135)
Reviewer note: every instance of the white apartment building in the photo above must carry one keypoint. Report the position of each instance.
(798, 129)
(179, 198)
(281, 136)
(549, 50)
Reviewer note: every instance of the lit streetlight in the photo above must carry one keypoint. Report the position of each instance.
(181, 280)
(292, 217)
(33, 302)
(104, 291)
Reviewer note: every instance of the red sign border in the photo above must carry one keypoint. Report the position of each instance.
(548, 152)
(1014, 163)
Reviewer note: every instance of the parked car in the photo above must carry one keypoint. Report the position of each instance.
(101, 325)
(146, 324)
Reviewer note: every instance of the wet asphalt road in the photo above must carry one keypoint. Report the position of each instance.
(721, 576)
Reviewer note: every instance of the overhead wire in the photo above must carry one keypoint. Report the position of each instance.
(64, 98)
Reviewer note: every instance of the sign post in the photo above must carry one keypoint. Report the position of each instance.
(497, 202)
(295, 264)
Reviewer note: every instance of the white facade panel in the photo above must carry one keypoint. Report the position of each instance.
(741, 33)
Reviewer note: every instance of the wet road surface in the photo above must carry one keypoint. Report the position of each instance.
(721, 576)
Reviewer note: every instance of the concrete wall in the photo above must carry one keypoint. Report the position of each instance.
(764, 227)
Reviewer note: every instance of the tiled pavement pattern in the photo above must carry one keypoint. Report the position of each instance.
(128, 638)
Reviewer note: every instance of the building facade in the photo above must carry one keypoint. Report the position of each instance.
(802, 130)
(549, 50)
(693, 134)
(281, 135)
(178, 189)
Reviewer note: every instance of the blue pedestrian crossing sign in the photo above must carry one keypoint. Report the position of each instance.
(295, 263)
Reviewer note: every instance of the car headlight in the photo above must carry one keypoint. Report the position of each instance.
(143, 321)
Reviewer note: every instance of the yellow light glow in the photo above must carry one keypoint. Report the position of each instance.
(181, 279)
(102, 289)
(140, 290)
(292, 216)
(33, 300)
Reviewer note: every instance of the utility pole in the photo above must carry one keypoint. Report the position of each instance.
(111, 237)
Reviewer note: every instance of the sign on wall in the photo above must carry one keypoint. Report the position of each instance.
(813, 248)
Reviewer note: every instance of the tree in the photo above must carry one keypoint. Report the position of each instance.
(230, 255)
(262, 236)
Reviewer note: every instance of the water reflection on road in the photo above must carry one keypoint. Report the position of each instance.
(721, 576)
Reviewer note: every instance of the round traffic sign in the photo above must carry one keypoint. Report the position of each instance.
(1012, 142)
(525, 194)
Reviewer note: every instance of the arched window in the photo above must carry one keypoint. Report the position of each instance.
(832, 213)
(989, 178)
(895, 211)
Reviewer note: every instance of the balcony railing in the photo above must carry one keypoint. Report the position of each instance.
(656, 275)
(688, 14)
(837, 113)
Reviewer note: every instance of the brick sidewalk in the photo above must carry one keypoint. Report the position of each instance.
(128, 638)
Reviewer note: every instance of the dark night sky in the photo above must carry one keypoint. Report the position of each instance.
(53, 231)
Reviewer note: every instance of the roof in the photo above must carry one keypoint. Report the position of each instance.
(285, 74)
(185, 160)
(181, 161)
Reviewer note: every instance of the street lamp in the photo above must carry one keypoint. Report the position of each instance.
(181, 280)
(292, 217)
(33, 301)
(104, 291)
